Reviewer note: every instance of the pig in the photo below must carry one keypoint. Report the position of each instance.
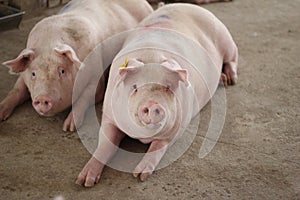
(187, 1)
(167, 70)
(56, 48)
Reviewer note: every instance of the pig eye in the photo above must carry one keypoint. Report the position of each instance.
(134, 87)
(62, 71)
(33, 74)
(168, 87)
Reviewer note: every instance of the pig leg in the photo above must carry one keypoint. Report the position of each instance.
(229, 71)
(151, 159)
(187, 1)
(81, 106)
(230, 56)
(16, 96)
(223, 80)
(229, 74)
(109, 139)
(210, 1)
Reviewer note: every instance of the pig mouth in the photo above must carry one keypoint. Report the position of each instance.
(48, 107)
(151, 125)
(45, 114)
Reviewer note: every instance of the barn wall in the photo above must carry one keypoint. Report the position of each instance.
(30, 5)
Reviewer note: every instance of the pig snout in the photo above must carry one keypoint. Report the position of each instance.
(42, 104)
(151, 113)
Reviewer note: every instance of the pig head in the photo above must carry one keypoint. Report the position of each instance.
(49, 77)
(150, 107)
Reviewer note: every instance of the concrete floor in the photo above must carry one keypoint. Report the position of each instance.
(257, 156)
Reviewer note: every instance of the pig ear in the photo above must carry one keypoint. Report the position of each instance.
(66, 50)
(124, 71)
(21, 63)
(131, 65)
(183, 76)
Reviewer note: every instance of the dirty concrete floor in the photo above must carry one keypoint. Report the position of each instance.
(257, 156)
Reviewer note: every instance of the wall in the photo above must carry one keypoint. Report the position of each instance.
(31, 5)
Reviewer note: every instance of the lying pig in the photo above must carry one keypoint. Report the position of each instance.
(57, 46)
(187, 1)
(169, 69)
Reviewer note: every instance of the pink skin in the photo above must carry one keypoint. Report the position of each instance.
(149, 162)
(229, 73)
(154, 104)
(148, 112)
(55, 51)
(16, 96)
(151, 113)
(43, 83)
(110, 136)
(42, 104)
(48, 83)
(187, 1)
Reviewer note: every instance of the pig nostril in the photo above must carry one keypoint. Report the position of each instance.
(157, 111)
(46, 103)
(146, 110)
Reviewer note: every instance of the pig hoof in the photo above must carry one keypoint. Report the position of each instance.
(91, 173)
(4, 112)
(229, 75)
(69, 124)
(143, 171)
(224, 80)
(143, 176)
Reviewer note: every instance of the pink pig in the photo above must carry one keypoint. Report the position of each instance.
(175, 61)
(57, 46)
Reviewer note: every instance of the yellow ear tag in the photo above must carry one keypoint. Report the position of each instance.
(125, 64)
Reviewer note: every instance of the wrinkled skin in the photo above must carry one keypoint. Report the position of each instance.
(162, 92)
(56, 48)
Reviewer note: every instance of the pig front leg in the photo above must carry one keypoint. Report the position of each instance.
(210, 1)
(109, 139)
(151, 159)
(187, 1)
(16, 96)
(81, 106)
